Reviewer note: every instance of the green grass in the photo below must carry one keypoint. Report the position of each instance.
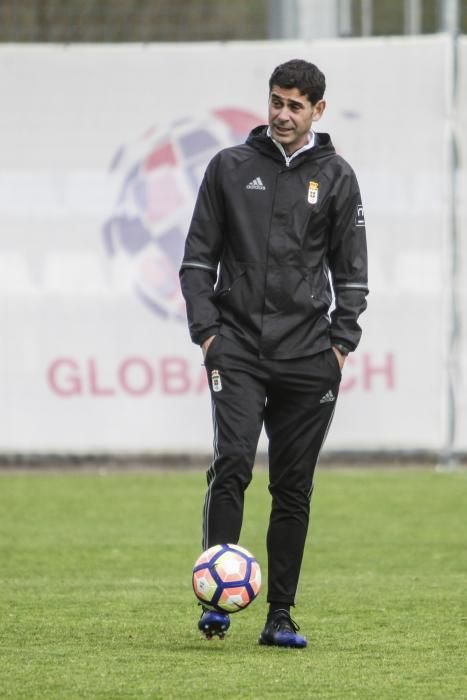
(96, 600)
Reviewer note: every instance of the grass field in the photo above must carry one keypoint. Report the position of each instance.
(96, 600)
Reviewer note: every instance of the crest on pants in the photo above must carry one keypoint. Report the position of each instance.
(216, 380)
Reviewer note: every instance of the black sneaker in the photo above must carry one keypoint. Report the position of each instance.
(281, 631)
(213, 624)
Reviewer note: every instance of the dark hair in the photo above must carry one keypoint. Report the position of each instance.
(302, 75)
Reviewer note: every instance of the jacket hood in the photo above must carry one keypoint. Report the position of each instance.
(259, 139)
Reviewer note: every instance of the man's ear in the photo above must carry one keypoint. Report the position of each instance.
(318, 110)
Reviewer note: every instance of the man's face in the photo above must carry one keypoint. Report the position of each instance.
(291, 115)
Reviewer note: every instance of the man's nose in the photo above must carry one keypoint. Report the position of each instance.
(284, 114)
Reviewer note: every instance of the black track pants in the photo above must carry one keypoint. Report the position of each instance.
(295, 399)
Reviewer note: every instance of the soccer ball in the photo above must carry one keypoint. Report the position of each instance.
(226, 578)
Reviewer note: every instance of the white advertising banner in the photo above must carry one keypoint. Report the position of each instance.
(460, 368)
(102, 149)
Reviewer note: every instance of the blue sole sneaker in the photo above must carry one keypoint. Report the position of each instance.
(213, 624)
(281, 631)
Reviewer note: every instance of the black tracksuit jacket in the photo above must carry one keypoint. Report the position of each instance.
(266, 240)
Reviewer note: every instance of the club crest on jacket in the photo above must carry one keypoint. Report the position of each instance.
(313, 189)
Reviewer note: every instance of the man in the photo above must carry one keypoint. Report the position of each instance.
(275, 219)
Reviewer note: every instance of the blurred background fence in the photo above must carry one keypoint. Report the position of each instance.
(67, 21)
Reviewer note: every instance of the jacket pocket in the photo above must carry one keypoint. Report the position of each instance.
(226, 285)
(320, 289)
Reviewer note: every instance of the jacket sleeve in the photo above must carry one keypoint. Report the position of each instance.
(203, 247)
(348, 263)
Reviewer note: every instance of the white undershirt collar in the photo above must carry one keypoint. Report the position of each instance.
(306, 147)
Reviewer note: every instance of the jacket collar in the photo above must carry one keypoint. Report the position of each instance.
(289, 158)
(261, 141)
